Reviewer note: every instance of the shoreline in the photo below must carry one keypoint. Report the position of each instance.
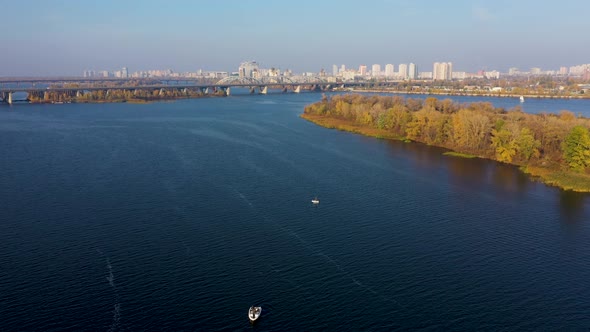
(119, 100)
(465, 94)
(559, 178)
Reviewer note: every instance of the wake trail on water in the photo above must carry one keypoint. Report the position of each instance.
(243, 198)
(343, 271)
(319, 253)
(115, 324)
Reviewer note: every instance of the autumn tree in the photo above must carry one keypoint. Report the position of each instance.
(576, 148)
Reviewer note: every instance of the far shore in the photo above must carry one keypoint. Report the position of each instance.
(119, 100)
(450, 93)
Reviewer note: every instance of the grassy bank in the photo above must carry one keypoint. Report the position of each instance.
(344, 125)
(460, 155)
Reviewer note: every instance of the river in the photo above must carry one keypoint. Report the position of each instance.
(180, 215)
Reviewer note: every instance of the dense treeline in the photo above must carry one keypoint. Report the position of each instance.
(117, 95)
(479, 128)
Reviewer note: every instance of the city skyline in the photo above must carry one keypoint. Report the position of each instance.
(47, 39)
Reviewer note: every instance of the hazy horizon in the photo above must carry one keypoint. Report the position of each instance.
(48, 39)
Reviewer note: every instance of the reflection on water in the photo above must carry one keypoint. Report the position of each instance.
(505, 182)
(509, 177)
(571, 205)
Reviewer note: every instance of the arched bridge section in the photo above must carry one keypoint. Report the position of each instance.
(234, 80)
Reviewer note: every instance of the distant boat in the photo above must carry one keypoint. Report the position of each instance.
(254, 313)
(315, 201)
(521, 99)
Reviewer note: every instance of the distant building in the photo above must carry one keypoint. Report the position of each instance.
(403, 71)
(563, 71)
(89, 73)
(412, 71)
(442, 71)
(334, 70)
(513, 71)
(535, 71)
(579, 70)
(248, 69)
(459, 75)
(389, 70)
(494, 74)
(363, 70)
(124, 72)
(376, 70)
(342, 68)
(348, 75)
(425, 75)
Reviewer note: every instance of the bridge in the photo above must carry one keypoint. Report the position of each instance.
(71, 89)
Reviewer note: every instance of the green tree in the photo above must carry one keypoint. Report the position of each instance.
(576, 148)
(527, 145)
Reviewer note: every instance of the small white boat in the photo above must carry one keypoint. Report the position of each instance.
(521, 99)
(315, 201)
(254, 313)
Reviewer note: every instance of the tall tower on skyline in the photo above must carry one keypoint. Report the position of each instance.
(335, 70)
(376, 70)
(403, 71)
(412, 71)
(449, 75)
(389, 70)
(442, 71)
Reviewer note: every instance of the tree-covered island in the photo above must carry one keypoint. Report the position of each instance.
(552, 147)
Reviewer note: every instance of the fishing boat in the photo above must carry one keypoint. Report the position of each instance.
(254, 313)
(521, 99)
(315, 201)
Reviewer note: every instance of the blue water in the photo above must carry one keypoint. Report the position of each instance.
(531, 105)
(180, 215)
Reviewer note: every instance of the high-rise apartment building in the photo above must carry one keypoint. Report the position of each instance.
(248, 69)
(362, 70)
(334, 70)
(442, 71)
(376, 70)
(389, 70)
(563, 71)
(412, 71)
(403, 71)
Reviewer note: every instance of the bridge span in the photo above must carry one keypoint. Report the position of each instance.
(77, 90)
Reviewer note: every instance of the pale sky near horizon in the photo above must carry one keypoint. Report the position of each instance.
(46, 38)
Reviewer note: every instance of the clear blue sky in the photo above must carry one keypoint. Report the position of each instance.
(41, 37)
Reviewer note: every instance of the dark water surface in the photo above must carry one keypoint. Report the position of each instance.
(179, 216)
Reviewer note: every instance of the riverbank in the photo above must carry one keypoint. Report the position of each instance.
(118, 96)
(546, 170)
(467, 94)
(129, 101)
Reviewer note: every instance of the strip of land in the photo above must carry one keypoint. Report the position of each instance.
(552, 148)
